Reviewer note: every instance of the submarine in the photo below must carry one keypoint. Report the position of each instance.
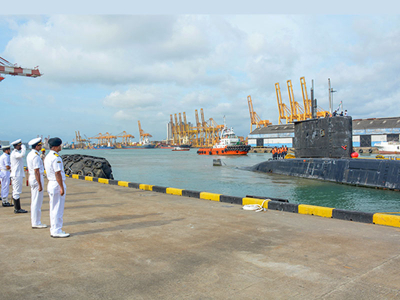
(323, 151)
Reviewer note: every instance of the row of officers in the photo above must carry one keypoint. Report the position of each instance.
(279, 153)
(11, 166)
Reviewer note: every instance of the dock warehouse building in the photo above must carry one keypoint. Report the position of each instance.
(366, 133)
(272, 135)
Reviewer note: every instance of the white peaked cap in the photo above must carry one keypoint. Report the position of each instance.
(16, 142)
(34, 141)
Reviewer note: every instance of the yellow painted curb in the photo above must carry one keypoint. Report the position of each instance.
(123, 183)
(388, 220)
(146, 187)
(321, 211)
(103, 180)
(209, 196)
(76, 176)
(174, 191)
(88, 178)
(246, 201)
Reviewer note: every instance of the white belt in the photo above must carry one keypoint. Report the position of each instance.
(5, 170)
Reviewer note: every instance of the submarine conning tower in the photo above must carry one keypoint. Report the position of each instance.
(329, 137)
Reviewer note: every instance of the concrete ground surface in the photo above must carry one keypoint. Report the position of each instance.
(131, 244)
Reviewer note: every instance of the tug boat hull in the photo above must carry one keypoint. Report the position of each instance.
(228, 150)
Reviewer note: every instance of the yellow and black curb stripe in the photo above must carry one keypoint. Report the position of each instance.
(326, 212)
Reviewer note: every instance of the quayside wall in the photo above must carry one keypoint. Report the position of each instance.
(326, 212)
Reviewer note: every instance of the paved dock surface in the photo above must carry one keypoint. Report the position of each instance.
(131, 244)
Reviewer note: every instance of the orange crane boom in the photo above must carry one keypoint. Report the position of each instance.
(296, 109)
(306, 101)
(254, 118)
(126, 138)
(284, 112)
(142, 133)
(320, 111)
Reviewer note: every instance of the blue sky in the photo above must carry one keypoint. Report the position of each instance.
(103, 73)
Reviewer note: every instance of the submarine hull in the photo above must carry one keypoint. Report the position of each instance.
(375, 173)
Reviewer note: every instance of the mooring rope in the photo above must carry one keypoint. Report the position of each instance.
(256, 207)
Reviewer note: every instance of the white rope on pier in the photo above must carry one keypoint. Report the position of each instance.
(255, 207)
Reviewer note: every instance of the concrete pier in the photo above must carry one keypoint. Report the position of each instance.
(129, 243)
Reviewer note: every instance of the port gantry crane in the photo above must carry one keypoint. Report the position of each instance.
(307, 102)
(173, 132)
(13, 69)
(126, 138)
(210, 131)
(284, 112)
(143, 136)
(110, 139)
(177, 130)
(199, 139)
(100, 139)
(296, 112)
(191, 132)
(254, 118)
(205, 133)
(79, 141)
(182, 135)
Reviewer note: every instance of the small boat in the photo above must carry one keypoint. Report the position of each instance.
(180, 149)
(166, 146)
(388, 147)
(103, 147)
(66, 146)
(229, 144)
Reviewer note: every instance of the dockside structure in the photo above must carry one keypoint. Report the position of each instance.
(366, 133)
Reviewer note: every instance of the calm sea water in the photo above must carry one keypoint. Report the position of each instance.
(188, 170)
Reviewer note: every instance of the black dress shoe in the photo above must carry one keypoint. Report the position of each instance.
(6, 204)
(20, 211)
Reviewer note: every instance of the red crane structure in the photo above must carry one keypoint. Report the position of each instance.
(13, 69)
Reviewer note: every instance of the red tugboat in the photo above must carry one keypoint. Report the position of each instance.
(229, 144)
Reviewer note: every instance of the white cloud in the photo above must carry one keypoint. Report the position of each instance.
(132, 99)
(148, 67)
(122, 115)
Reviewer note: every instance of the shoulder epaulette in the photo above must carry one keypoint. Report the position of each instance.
(56, 154)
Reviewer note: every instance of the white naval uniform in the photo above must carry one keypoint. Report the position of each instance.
(5, 176)
(53, 163)
(17, 171)
(34, 161)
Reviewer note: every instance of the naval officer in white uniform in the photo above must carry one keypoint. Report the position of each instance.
(5, 167)
(56, 188)
(36, 170)
(17, 173)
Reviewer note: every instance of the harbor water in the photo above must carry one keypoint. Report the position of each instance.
(190, 171)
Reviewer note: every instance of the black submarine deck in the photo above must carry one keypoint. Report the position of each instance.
(376, 173)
